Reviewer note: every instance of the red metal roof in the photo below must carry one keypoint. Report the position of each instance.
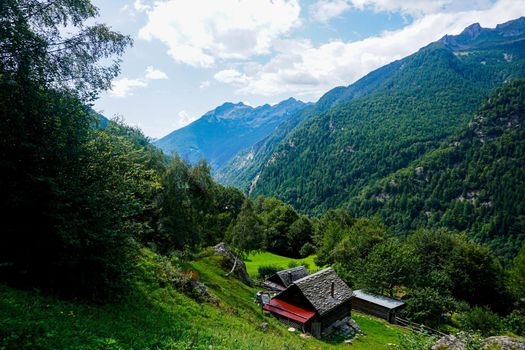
(293, 312)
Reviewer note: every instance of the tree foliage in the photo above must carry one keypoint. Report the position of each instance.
(473, 182)
(35, 49)
(517, 275)
(247, 234)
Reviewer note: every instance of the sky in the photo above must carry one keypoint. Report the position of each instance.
(190, 56)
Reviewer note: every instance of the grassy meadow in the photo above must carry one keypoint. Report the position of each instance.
(253, 261)
(157, 317)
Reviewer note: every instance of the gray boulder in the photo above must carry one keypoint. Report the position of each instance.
(503, 343)
(449, 342)
(230, 259)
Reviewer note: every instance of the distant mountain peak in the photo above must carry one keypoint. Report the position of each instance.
(475, 36)
(228, 110)
(472, 31)
(290, 102)
(222, 132)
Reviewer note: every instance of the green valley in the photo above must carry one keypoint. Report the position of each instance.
(401, 195)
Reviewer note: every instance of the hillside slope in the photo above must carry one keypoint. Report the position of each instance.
(430, 96)
(475, 181)
(221, 133)
(155, 316)
(242, 171)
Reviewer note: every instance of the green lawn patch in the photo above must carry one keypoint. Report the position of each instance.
(253, 261)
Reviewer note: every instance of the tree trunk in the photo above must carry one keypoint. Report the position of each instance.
(234, 266)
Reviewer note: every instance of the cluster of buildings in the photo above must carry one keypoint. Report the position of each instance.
(315, 302)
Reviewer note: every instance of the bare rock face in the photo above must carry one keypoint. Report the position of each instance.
(230, 259)
(449, 342)
(503, 343)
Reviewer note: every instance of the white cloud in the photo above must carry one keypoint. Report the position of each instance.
(141, 6)
(420, 7)
(304, 70)
(205, 84)
(124, 87)
(324, 10)
(230, 76)
(155, 74)
(200, 32)
(183, 119)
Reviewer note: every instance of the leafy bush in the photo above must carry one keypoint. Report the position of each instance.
(266, 271)
(481, 320)
(292, 264)
(305, 264)
(515, 323)
(307, 249)
(158, 269)
(427, 306)
(415, 341)
(472, 341)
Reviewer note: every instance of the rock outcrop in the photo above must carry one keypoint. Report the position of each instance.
(451, 342)
(230, 259)
(503, 343)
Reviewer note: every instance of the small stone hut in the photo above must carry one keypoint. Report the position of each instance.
(284, 278)
(313, 303)
(377, 305)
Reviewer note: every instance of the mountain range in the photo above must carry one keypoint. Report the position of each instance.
(345, 149)
(221, 133)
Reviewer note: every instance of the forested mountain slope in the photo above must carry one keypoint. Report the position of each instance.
(428, 97)
(475, 181)
(221, 133)
(242, 171)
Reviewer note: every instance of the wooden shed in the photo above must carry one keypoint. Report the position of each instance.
(313, 303)
(377, 305)
(284, 278)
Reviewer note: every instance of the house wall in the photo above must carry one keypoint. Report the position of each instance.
(374, 309)
(338, 313)
(292, 323)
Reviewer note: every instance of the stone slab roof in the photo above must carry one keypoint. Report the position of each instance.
(291, 275)
(317, 288)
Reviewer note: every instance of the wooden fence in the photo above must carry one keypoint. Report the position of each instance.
(420, 328)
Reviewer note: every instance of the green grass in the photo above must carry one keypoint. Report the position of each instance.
(161, 318)
(253, 261)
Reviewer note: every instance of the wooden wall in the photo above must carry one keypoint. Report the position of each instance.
(374, 309)
(370, 308)
(336, 314)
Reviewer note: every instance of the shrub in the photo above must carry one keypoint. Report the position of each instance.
(415, 341)
(472, 341)
(515, 323)
(427, 306)
(266, 271)
(292, 264)
(307, 249)
(305, 264)
(481, 320)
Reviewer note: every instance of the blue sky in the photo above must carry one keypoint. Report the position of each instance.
(190, 56)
